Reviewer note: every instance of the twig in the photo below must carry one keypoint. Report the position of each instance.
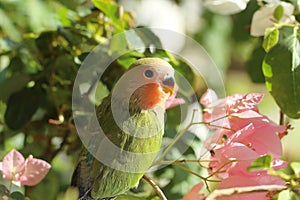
(182, 132)
(188, 170)
(281, 118)
(158, 191)
(239, 190)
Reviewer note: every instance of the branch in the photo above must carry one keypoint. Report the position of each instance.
(239, 190)
(158, 191)
(281, 118)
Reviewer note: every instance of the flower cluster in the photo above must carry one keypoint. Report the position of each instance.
(17, 170)
(241, 136)
(262, 18)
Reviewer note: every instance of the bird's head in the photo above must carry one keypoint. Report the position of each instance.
(152, 82)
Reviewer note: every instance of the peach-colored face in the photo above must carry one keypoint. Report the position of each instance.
(159, 84)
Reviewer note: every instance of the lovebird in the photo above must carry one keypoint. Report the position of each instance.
(131, 118)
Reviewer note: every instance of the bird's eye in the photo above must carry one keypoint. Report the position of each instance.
(149, 73)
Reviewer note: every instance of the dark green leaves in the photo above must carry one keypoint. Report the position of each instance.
(3, 190)
(13, 84)
(17, 196)
(282, 72)
(254, 65)
(21, 106)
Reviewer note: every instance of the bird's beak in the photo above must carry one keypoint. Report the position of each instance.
(168, 85)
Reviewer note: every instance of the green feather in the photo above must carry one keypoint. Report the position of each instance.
(96, 180)
(101, 181)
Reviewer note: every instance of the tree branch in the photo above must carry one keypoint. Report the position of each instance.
(239, 190)
(158, 191)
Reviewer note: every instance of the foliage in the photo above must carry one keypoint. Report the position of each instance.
(43, 44)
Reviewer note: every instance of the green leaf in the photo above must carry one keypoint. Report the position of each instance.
(70, 194)
(12, 85)
(21, 106)
(278, 12)
(254, 65)
(296, 168)
(17, 196)
(134, 41)
(262, 163)
(149, 38)
(294, 196)
(282, 72)
(283, 195)
(113, 11)
(271, 38)
(3, 190)
(126, 61)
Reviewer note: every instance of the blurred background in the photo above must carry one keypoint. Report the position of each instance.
(43, 42)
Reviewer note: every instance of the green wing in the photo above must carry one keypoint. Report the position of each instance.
(137, 144)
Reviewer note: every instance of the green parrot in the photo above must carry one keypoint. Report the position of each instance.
(132, 121)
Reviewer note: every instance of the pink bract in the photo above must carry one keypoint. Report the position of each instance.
(19, 171)
(241, 136)
(35, 171)
(194, 194)
(172, 101)
(12, 165)
(223, 108)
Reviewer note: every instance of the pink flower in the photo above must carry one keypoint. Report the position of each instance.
(242, 135)
(16, 169)
(231, 158)
(172, 101)
(260, 138)
(194, 194)
(245, 146)
(220, 109)
(240, 120)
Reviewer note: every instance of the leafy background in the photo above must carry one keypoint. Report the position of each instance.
(43, 43)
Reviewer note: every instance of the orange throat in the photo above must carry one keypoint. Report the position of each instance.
(150, 95)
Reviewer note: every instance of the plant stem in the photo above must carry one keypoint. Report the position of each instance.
(168, 162)
(157, 189)
(281, 118)
(10, 187)
(189, 171)
(240, 190)
(182, 132)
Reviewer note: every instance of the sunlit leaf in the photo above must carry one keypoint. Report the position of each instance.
(261, 163)
(282, 72)
(271, 38)
(294, 196)
(113, 11)
(278, 12)
(296, 168)
(283, 195)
